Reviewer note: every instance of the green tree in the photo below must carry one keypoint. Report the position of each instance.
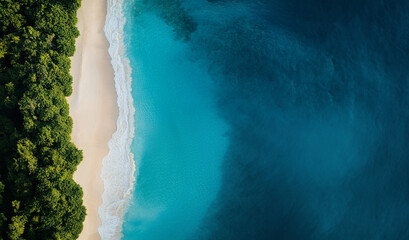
(38, 196)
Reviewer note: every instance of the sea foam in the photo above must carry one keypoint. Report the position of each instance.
(118, 166)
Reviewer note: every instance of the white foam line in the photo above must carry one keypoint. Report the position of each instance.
(118, 166)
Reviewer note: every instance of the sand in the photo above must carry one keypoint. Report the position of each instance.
(93, 107)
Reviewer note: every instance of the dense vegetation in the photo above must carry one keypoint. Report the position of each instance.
(38, 196)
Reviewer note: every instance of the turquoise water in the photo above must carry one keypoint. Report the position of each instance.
(313, 96)
(179, 139)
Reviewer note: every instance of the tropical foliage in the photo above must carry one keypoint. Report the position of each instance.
(38, 196)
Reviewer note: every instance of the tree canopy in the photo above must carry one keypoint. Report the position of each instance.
(38, 197)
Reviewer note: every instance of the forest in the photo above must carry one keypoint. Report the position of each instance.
(38, 197)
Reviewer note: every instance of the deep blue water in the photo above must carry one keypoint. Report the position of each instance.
(270, 119)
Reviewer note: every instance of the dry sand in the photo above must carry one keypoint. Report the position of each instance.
(93, 107)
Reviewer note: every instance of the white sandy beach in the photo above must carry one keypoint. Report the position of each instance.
(93, 107)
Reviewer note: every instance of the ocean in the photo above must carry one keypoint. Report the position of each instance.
(267, 119)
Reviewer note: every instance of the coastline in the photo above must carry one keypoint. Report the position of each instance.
(93, 107)
(118, 166)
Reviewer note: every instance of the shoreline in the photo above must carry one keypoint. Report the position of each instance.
(118, 166)
(93, 107)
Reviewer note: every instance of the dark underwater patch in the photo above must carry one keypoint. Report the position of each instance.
(174, 14)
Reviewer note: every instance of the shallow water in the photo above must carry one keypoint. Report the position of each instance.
(180, 139)
(313, 97)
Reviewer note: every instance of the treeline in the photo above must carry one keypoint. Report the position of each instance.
(38, 196)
